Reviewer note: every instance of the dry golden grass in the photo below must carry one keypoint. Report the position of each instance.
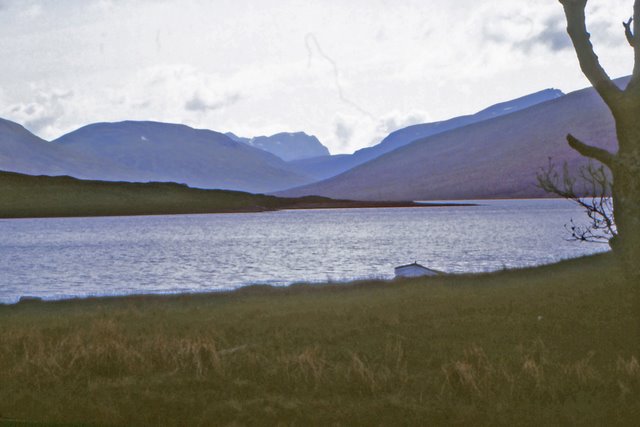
(550, 346)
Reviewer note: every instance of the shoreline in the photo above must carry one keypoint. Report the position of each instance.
(27, 196)
(338, 204)
(274, 290)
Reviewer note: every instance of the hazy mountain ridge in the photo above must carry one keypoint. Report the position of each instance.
(493, 153)
(154, 151)
(286, 145)
(328, 166)
(23, 152)
(494, 158)
(406, 135)
(147, 151)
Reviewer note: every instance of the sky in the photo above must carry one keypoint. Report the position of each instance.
(349, 72)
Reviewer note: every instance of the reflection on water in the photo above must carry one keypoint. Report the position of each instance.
(59, 258)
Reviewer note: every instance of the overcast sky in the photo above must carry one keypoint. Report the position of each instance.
(348, 72)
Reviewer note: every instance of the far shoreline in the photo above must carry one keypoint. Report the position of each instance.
(329, 206)
(30, 197)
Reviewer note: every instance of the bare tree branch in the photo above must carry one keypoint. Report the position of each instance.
(592, 193)
(624, 173)
(603, 156)
(574, 11)
(628, 32)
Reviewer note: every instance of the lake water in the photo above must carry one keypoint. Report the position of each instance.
(68, 257)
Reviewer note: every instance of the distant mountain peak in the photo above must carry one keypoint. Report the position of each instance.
(168, 152)
(286, 145)
(522, 102)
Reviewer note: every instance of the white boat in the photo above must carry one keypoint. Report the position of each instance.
(415, 270)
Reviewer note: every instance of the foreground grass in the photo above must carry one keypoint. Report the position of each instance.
(554, 345)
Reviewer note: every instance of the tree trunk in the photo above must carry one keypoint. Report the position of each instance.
(626, 187)
(625, 106)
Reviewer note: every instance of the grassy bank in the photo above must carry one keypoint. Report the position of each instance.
(556, 345)
(27, 196)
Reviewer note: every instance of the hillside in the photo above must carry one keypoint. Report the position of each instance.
(152, 151)
(495, 158)
(328, 166)
(286, 145)
(21, 151)
(26, 196)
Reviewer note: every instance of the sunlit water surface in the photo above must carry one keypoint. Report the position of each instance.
(62, 258)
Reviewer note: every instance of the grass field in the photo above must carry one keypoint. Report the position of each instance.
(555, 345)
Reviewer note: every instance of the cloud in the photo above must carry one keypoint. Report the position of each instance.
(337, 70)
(28, 9)
(314, 48)
(606, 33)
(168, 93)
(197, 103)
(40, 115)
(353, 132)
(528, 30)
(507, 27)
(343, 132)
(397, 120)
(173, 93)
(553, 37)
(103, 5)
(33, 10)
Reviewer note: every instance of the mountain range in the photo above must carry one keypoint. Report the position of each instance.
(22, 151)
(494, 158)
(328, 166)
(493, 153)
(286, 145)
(147, 151)
(152, 151)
